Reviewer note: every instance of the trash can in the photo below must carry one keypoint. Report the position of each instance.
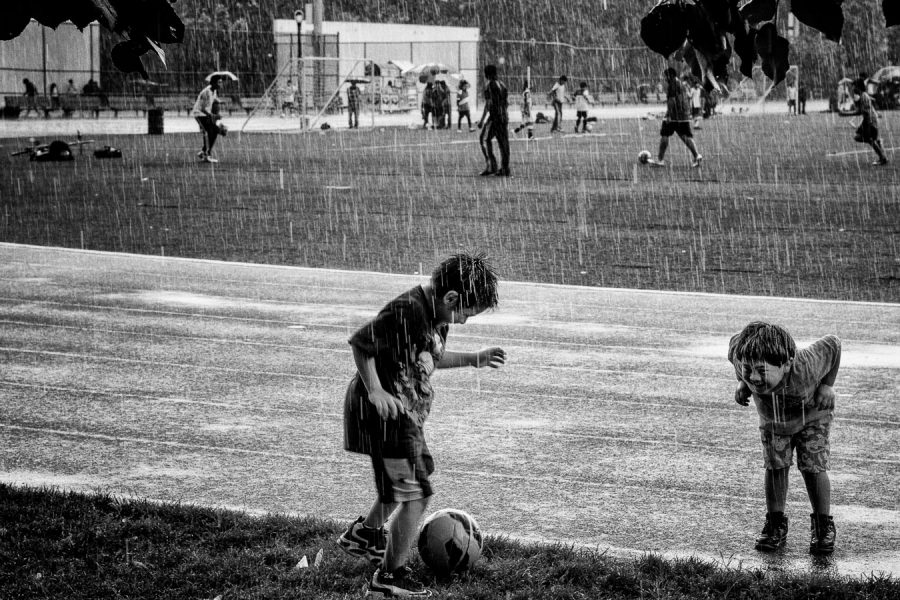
(155, 121)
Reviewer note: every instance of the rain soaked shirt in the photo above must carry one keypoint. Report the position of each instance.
(867, 110)
(583, 100)
(406, 347)
(496, 98)
(678, 105)
(790, 406)
(204, 104)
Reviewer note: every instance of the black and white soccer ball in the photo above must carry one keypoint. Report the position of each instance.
(450, 541)
(644, 157)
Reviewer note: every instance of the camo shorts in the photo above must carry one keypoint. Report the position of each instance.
(811, 442)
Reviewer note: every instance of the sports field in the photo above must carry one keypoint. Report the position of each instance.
(612, 425)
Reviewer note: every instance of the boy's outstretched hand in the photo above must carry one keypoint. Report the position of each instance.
(386, 404)
(824, 398)
(742, 394)
(491, 357)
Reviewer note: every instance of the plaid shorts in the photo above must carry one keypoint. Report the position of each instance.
(811, 442)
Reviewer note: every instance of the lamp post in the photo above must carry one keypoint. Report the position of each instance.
(301, 99)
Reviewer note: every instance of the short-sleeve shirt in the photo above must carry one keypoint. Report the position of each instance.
(558, 92)
(406, 345)
(205, 102)
(790, 406)
(497, 101)
(462, 100)
(583, 100)
(678, 107)
(867, 110)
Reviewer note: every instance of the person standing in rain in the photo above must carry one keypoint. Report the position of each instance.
(203, 113)
(30, 95)
(557, 96)
(678, 119)
(526, 123)
(583, 101)
(428, 104)
(494, 124)
(353, 105)
(794, 398)
(389, 399)
(867, 132)
(463, 109)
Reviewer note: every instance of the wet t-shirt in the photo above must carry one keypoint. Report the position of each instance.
(406, 346)
(790, 406)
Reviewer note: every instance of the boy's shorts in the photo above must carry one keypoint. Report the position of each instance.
(403, 479)
(696, 111)
(866, 133)
(811, 442)
(682, 128)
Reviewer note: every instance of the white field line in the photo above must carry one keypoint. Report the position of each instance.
(865, 151)
(349, 328)
(348, 273)
(116, 395)
(253, 408)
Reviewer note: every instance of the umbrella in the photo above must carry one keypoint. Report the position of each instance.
(428, 71)
(223, 75)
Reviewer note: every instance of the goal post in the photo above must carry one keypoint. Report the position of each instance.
(312, 91)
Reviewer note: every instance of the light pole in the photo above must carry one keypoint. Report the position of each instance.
(300, 99)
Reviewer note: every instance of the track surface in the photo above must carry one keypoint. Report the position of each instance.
(612, 425)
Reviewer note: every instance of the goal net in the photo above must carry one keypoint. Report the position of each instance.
(313, 92)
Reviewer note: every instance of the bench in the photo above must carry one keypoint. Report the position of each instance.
(81, 104)
(17, 104)
(118, 104)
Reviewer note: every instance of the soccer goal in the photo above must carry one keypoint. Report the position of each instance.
(311, 92)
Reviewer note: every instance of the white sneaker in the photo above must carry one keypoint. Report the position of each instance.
(697, 161)
(201, 155)
(210, 159)
(656, 163)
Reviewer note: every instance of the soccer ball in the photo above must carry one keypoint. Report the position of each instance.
(644, 157)
(589, 127)
(223, 128)
(450, 541)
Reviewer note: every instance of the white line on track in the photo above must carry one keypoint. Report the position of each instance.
(866, 151)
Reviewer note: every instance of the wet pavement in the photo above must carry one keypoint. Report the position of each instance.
(611, 427)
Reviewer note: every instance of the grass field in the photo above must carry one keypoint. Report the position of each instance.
(770, 213)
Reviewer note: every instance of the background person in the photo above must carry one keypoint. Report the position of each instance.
(494, 124)
(203, 112)
(557, 97)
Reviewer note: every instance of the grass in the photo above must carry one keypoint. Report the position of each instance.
(66, 545)
(769, 214)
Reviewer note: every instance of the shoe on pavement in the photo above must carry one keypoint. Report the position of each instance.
(697, 161)
(502, 173)
(774, 533)
(364, 542)
(210, 159)
(396, 584)
(821, 534)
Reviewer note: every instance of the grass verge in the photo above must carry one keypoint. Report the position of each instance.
(56, 544)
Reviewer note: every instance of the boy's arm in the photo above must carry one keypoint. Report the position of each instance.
(824, 396)
(484, 113)
(492, 357)
(386, 404)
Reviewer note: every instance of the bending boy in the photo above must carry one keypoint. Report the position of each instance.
(389, 399)
(794, 398)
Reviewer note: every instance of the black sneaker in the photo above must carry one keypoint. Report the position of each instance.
(488, 171)
(364, 542)
(774, 533)
(502, 173)
(821, 534)
(396, 584)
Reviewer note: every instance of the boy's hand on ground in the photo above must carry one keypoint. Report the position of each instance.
(824, 397)
(742, 395)
(490, 357)
(387, 405)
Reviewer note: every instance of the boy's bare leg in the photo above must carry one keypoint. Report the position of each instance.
(776, 482)
(818, 486)
(663, 146)
(689, 142)
(403, 531)
(379, 514)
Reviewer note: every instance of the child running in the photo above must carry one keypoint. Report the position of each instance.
(389, 399)
(526, 123)
(794, 398)
(678, 120)
(867, 132)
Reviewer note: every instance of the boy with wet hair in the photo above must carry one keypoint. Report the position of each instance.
(389, 399)
(793, 393)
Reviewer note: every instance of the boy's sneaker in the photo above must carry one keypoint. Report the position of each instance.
(697, 161)
(201, 155)
(653, 162)
(821, 534)
(774, 533)
(880, 162)
(364, 542)
(210, 159)
(396, 584)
